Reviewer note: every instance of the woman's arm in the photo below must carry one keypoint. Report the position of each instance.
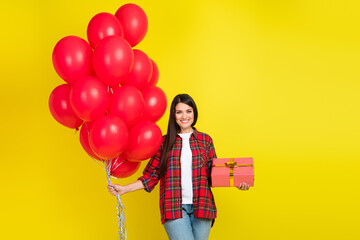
(118, 189)
(147, 181)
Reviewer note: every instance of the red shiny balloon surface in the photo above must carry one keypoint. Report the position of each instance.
(155, 103)
(155, 74)
(134, 22)
(60, 107)
(84, 139)
(72, 59)
(141, 71)
(108, 137)
(145, 139)
(121, 168)
(112, 60)
(127, 103)
(89, 98)
(101, 26)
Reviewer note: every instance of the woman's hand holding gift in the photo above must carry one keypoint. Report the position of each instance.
(243, 186)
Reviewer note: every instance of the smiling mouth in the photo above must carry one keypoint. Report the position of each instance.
(184, 121)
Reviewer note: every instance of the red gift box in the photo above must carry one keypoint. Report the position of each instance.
(230, 172)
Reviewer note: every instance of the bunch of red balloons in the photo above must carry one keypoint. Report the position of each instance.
(110, 90)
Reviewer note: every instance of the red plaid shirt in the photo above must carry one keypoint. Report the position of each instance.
(203, 152)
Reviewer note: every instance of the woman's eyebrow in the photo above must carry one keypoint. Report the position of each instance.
(189, 109)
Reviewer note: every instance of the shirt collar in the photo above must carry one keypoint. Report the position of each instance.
(195, 133)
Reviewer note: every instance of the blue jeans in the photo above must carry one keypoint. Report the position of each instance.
(188, 227)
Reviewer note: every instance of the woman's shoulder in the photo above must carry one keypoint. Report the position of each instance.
(202, 136)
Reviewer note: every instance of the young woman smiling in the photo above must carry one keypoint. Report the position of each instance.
(183, 167)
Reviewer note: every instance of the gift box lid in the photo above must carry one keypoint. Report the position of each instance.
(236, 161)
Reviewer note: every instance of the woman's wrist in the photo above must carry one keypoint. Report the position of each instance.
(134, 186)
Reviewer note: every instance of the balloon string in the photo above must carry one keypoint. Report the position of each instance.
(110, 90)
(111, 162)
(120, 208)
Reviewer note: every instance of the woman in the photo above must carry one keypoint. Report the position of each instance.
(183, 167)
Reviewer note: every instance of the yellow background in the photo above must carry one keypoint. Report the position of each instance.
(274, 80)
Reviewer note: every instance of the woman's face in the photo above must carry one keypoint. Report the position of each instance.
(184, 115)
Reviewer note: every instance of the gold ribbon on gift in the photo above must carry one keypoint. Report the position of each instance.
(231, 165)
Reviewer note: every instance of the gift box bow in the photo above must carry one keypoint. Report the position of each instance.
(233, 164)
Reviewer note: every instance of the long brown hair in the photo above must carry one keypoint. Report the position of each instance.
(174, 129)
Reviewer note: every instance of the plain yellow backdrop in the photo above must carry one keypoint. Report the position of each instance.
(274, 80)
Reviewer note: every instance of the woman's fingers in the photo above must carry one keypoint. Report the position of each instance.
(115, 189)
(243, 186)
(113, 192)
(111, 189)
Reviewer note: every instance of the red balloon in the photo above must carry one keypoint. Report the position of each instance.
(134, 22)
(108, 137)
(155, 74)
(155, 103)
(60, 107)
(112, 59)
(89, 98)
(121, 168)
(72, 58)
(141, 71)
(127, 103)
(84, 139)
(145, 139)
(103, 25)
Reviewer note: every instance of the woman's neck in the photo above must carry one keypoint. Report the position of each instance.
(187, 130)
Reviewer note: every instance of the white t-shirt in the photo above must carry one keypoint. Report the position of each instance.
(186, 169)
